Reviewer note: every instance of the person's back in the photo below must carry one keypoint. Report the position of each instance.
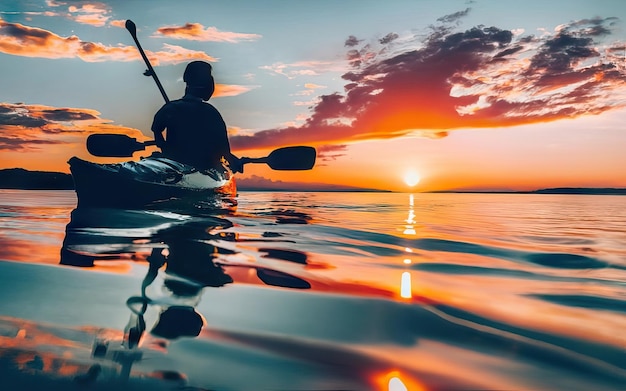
(196, 132)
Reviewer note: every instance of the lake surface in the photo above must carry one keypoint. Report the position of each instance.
(316, 291)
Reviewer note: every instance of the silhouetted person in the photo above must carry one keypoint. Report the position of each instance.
(196, 133)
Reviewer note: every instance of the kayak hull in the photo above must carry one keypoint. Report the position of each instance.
(150, 182)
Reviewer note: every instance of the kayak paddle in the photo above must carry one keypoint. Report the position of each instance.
(115, 145)
(121, 145)
(132, 29)
(287, 158)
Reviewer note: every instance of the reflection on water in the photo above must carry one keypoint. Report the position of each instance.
(319, 291)
(409, 229)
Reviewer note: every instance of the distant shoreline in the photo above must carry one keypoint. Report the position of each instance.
(21, 179)
(553, 190)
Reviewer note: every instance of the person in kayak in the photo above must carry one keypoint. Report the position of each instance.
(195, 131)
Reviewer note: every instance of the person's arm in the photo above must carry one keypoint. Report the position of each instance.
(158, 126)
(222, 140)
(234, 162)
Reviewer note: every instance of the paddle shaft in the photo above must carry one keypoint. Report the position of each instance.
(132, 29)
(245, 160)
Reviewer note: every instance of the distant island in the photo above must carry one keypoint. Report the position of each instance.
(581, 190)
(19, 178)
(552, 190)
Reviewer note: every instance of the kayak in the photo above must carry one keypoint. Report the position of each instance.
(153, 180)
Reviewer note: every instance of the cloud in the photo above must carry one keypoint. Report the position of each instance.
(20, 40)
(197, 32)
(20, 144)
(331, 151)
(478, 78)
(454, 17)
(85, 12)
(303, 68)
(223, 90)
(309, 90)
(388, 38)
(255, 181)
(173, 54)
(352, 41)
(29, 127)
(121, 23)
(92, 13)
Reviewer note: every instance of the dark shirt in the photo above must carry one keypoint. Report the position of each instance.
(196, 132)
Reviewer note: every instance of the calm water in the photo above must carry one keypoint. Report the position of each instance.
(316, 291)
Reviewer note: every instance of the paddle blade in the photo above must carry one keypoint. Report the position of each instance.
(113, 145)
(130, 26)
(292, 158)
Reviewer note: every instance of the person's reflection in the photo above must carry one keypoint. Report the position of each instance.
(178, 271)
(189, 268)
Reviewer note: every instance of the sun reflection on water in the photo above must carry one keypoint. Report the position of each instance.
(405, 286)
(409, 229)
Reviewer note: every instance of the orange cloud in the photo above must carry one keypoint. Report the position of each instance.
(197, 32)
(84, 12)
(176, 54)
(27, 128)
(121, 23)
(95, 14)
(479, 78)
(222, 90)
(19, 40)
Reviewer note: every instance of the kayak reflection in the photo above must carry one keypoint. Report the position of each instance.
(192, 247)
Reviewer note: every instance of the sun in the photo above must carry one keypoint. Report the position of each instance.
(411, 178)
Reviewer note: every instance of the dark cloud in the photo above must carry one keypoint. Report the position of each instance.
(454, 17)
(20, 119)
(594, 27)
(388, 38)
(558, 54)
(508, 52)
(66, 115)
(16, 144)
(352, 41)
(34, 116)
(477, 78)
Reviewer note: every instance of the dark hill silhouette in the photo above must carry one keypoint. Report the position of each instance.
(552, 190)
(19, 178)
(582, 190)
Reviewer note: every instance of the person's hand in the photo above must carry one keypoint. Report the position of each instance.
(236, 165)
(161, 144)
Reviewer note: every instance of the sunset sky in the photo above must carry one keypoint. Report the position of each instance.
(482, 94)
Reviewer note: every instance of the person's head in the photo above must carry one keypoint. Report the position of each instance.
(199, 80)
